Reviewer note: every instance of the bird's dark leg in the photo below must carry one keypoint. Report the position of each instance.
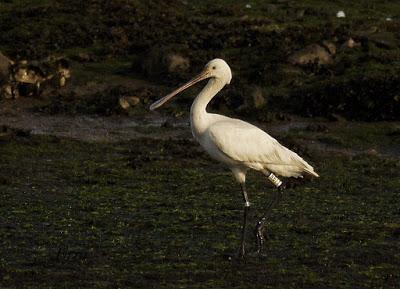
(276, 197)
(245, 213)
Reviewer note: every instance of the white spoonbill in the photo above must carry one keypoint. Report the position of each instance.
(238, 144)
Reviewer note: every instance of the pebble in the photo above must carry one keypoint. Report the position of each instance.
(340, 14)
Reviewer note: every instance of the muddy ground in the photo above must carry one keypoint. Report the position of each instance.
(96, 196)
(151, 213)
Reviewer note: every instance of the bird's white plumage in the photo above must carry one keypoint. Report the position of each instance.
(250, 146)
(238, 144)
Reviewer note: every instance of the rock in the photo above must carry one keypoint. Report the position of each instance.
(350, 43)
(7, 91)
(250, 98)
(176, 63)
(84, 57)
(340, 14)
(63, 71)
(384, 39)
(365, 33)
(371, 152)
(27, 73)
(160, 62)
(123, 102)
(62, 81)
(128, 101)
(133, 100)
(26, 78)
(330, 46)
(309, 54)
(5, 64)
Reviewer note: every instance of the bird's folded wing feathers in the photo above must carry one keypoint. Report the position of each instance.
(246, 143)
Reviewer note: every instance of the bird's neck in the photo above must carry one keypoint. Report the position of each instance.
(198, 111)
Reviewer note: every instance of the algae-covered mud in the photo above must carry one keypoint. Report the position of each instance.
(97, 192)
(160, 214)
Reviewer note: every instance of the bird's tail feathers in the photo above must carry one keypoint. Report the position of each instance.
(304, 165)
(311, 172)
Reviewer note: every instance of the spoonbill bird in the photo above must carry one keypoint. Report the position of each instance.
(238, 144)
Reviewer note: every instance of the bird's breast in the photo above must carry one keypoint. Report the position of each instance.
(208, 144)
(198, 124)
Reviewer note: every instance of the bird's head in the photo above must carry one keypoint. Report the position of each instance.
(219, 69)
(216, 68)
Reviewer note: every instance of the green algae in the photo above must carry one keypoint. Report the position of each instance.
(161, 214)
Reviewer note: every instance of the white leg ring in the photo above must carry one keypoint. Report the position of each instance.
(274, 179)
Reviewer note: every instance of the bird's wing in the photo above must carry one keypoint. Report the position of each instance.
(250, 145)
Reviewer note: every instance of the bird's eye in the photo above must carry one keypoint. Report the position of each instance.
(214, 67)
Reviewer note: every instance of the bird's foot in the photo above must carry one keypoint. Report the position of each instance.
(260, 237)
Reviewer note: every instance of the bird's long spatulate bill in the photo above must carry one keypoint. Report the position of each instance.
(163, 100)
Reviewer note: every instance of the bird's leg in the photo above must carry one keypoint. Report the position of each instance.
(245, 213)
(276, 197)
